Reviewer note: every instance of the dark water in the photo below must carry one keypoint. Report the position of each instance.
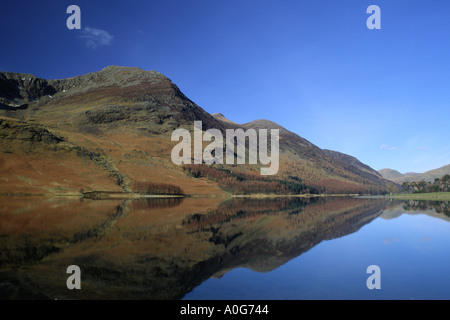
(284, 248)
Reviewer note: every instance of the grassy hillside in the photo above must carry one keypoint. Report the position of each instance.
(111, 131)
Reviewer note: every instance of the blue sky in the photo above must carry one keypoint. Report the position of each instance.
(312, 66)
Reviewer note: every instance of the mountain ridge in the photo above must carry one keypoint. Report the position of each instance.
(126, 115)
(428, 176)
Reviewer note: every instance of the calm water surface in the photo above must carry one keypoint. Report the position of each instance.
(286, 248)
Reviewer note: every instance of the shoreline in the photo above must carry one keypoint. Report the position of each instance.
(291, 195)
(110, 195)
(107, 195)
(440, 196)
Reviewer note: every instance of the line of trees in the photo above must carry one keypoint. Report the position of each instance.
(156, 188)
(439, 185)
(241, 183)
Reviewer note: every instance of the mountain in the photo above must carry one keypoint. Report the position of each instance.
(390, 174)
(111, 131)
(428, 176)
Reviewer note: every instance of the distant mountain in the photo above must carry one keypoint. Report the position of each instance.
(428, 176)
(111, 129)
(390, 174)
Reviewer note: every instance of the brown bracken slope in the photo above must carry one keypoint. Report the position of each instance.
(108, 130)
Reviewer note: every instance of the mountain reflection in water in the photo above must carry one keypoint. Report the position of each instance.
(159, 248)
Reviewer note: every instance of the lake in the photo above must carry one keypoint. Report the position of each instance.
(241, 248)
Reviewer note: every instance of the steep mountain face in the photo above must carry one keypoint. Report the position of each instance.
(326, 170)
(109, 129)
(428, 176)
(145, 101)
